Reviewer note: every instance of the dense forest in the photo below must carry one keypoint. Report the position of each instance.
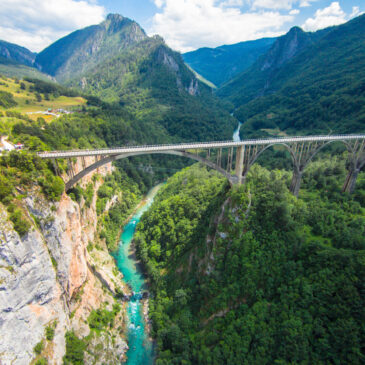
(252, 275)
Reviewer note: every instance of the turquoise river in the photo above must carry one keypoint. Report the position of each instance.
(141, 350)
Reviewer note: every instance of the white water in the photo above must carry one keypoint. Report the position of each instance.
(236, 134)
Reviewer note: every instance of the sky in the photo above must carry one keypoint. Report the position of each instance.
(184, 24)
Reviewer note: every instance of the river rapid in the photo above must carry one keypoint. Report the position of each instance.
(141, 348)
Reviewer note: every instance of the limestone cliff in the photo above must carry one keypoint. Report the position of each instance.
(48, 278)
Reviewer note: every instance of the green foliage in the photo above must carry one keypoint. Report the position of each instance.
(42, 361)
(173, 225)
(128, 193)
(277, 280)
(88, 194)
(7, 100)
(52, 186)
(48, 88)
(21, 225)
(101, 319)
(75, 348)
(6, 189)
(50, 332)
(38, 348)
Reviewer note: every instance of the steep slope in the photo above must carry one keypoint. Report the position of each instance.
(252, 275)
(221, 64)
(317, 89)
(257, 79)
(153, 83)
(16, 53)
(117, 62)
(83, 49)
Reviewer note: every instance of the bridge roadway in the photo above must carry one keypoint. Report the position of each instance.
(195, 145)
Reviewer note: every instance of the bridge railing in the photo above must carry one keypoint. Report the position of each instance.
(192, 145)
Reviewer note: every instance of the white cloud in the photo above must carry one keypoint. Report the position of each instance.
(279, 4)
(332, 15)
(273, 4)
(306, 3)
(37, 23)
(294, 12)
(190, 24)
(355, 12)
(232, 3)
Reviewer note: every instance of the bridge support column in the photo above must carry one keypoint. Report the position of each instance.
(239, 163)
(350, 182)
(56, 167)
(356, 163)
(295, 182)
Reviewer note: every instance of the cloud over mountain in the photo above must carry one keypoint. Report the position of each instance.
(189, 24)
(37, 23)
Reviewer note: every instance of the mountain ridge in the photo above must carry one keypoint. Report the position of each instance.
(16, 53)
(222, 63)
(320, 89)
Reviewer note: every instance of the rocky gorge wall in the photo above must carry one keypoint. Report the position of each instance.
(50, 278)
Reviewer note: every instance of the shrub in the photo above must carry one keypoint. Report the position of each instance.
(99, 319)
(6, 188)
(52, 186)
(75, 348)
(41, 361)
(21, 225)
(38, 348)
(50, 333)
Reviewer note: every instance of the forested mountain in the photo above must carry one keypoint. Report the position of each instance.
(16, 53)
(305, 83)
(117, 62)
(221, 64)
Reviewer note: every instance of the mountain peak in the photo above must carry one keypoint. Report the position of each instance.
(114, 17)
(295, 29)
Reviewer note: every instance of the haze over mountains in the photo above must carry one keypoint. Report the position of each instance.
(221, 64)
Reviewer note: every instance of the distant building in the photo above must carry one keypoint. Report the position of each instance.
(19, 146)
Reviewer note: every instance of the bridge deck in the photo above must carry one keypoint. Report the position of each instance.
(194, 145)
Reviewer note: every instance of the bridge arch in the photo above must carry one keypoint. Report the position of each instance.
(302, 156)
(231, 178)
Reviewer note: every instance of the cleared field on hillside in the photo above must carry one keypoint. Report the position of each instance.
(27, 102)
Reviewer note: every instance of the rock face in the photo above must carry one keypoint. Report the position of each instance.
(49, 274)
(30, 296)
(285, 48)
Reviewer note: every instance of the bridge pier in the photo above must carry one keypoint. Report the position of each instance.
(350, 182)
(296, 181)
(240, 152)
(356, 163)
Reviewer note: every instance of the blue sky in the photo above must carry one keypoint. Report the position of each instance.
(184, 24)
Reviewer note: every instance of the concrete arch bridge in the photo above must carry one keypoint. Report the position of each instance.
(238, 156)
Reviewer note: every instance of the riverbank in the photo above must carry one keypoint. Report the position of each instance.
(141, 347)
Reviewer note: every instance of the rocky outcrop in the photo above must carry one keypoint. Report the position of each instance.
(50, 277)
(285, 48)
(30, 295)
